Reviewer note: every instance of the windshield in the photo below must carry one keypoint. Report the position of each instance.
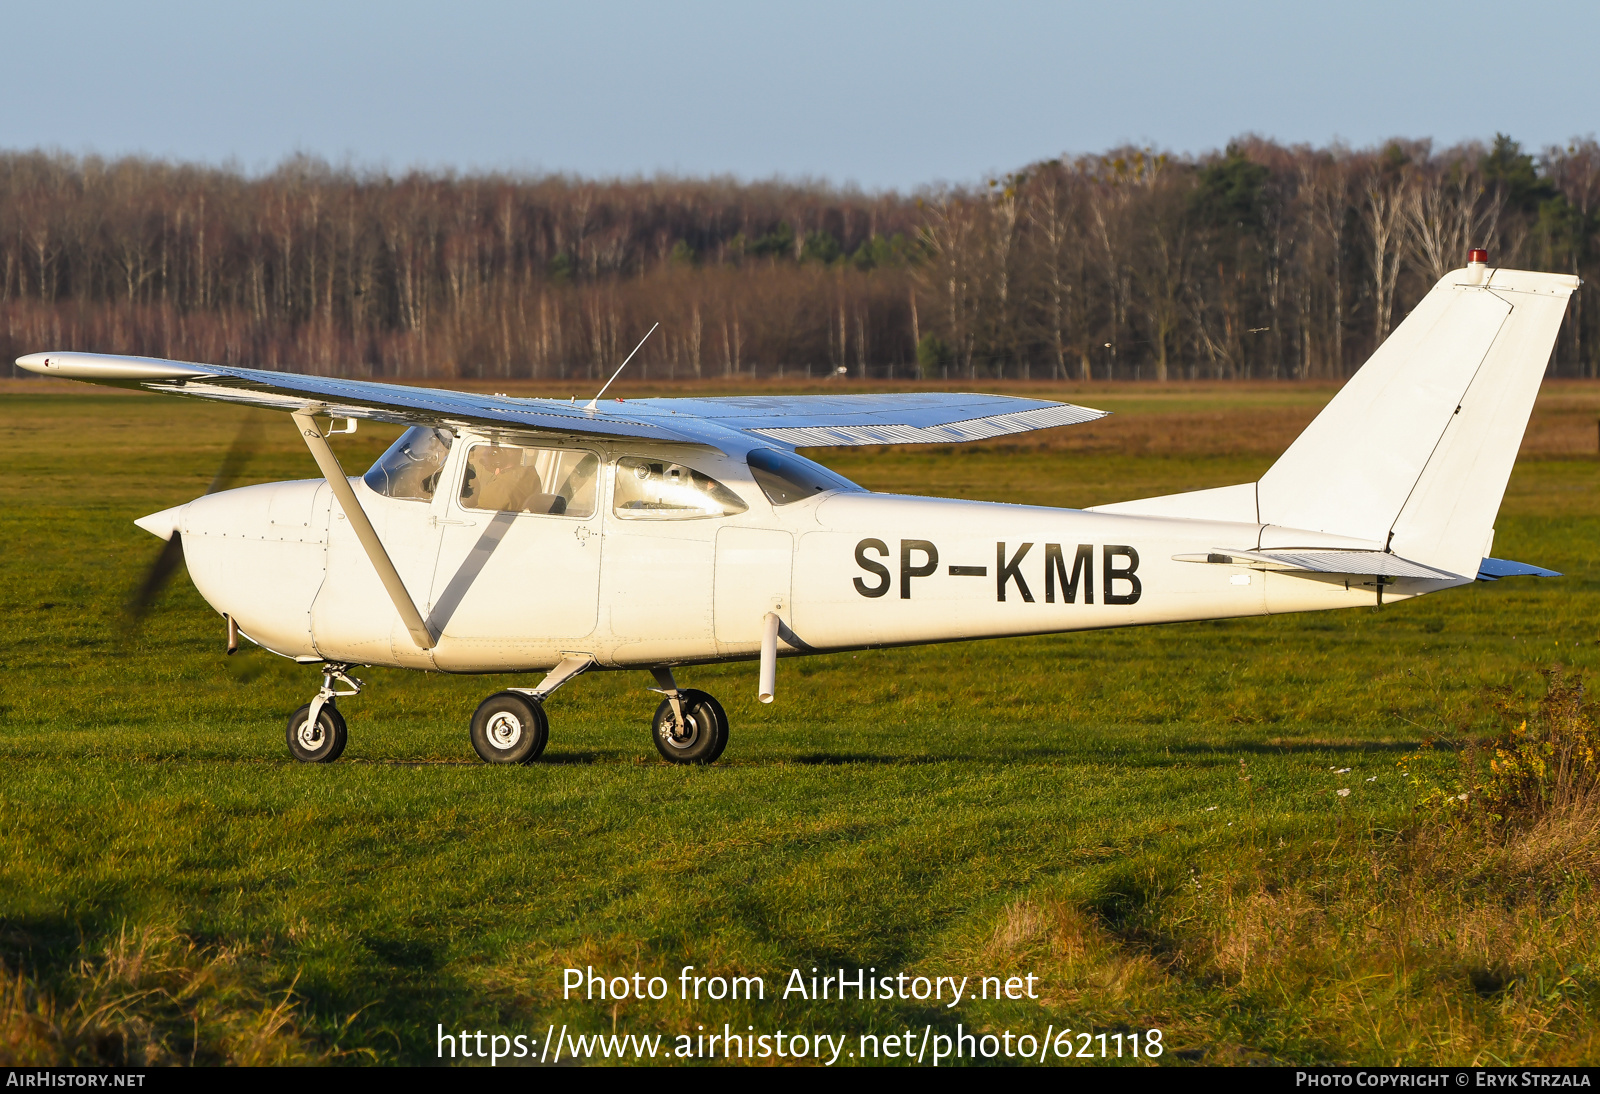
(785, 477)
(410, 469)
(659, 490)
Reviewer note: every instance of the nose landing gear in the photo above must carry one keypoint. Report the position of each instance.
(316, 732)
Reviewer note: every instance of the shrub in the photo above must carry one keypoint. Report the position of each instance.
(1546, 764)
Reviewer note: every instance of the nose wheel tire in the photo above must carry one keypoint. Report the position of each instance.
(509, 728)
(704, 734)
(321, 743)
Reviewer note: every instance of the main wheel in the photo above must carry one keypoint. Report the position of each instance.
(705, 729)
(509, 728)
(316, 744)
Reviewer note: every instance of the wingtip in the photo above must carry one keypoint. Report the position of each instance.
(105, 367)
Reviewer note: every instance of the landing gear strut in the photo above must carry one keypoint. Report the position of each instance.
(316, 732)
(689, 727)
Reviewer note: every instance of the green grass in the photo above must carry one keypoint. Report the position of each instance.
(992, 808)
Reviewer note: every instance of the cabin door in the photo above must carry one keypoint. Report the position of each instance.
(517, 582)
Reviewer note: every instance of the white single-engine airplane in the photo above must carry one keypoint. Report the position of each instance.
(503, 535)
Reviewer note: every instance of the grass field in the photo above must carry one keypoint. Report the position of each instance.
(1146, 820)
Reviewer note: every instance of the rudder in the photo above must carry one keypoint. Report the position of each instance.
(1414, 452)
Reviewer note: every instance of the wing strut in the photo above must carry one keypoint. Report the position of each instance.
(357, 517)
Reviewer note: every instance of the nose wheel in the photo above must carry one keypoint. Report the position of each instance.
(316, 732)
(318, 741)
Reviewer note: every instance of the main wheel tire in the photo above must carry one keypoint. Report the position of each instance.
(316, 744)
(705, 729)
(722, 720)
(509, 728)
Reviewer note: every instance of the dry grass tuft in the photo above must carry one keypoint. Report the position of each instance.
(1072, 952)
(1261, 931)
(1023, 922)
(151, 997)
(1565, 841)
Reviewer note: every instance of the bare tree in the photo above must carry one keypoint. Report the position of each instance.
(953, 235)
(1448, 213)
(1383, 211)
(1053, 213)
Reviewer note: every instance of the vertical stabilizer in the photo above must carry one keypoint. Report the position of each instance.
(1415, 451)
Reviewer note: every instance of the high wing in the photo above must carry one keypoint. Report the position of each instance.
(790, 421)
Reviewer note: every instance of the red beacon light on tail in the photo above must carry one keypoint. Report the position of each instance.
(1477, 264)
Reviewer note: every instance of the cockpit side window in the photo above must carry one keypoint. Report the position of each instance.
(510, 478)
(411, 466)
(785, 477)
(649, 489)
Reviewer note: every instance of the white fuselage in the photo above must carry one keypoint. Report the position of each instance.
(518, 592)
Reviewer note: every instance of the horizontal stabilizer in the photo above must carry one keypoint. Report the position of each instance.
(1353, 563)
(1493, 569)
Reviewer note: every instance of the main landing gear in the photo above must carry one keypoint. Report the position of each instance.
(510, 727)
(689, 727)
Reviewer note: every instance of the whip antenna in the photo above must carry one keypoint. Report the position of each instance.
(594, 404)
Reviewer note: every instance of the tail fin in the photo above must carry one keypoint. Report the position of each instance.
(1414, 452)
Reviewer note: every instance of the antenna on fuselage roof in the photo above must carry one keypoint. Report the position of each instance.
(594, 404)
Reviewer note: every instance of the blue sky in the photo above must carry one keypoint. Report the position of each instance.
(884, 95)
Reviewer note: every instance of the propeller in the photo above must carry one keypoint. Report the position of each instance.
(245, 443)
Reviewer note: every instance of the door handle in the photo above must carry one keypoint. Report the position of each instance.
(459, 523)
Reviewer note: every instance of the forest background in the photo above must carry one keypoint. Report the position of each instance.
(1256, 262)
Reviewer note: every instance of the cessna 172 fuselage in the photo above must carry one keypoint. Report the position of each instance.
(502, 535)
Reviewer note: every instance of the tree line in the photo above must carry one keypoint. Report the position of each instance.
(1257, 261)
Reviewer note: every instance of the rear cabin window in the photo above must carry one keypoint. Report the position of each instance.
(786, 478)
(661, 490)
(411, 466)
(510, 478)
